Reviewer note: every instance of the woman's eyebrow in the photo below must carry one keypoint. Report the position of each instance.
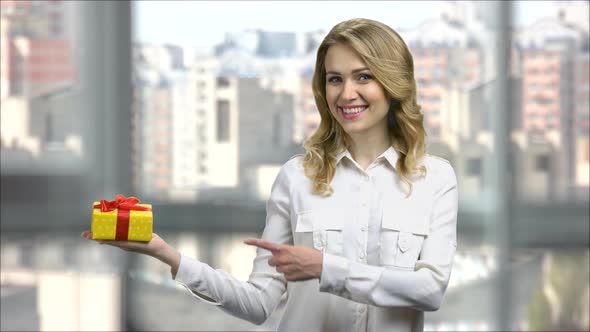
(352, 72)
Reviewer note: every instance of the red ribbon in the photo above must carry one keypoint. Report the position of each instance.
(124, 206)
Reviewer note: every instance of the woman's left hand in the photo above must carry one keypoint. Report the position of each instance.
(157, 248)
(295, 262)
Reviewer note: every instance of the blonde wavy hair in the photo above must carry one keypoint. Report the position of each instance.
(389, 60)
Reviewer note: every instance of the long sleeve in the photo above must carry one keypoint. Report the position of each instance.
(255, 299)
(422, 288)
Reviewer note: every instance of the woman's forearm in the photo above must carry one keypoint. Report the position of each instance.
(170, 257)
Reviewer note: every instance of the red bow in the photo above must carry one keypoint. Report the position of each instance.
(121, 203)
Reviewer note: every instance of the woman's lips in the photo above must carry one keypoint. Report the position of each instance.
(357, 111)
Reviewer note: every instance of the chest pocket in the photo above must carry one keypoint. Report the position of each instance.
(321, 229)
(403, 231)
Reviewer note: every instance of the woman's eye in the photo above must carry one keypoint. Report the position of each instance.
(333, 79)
(365, 77)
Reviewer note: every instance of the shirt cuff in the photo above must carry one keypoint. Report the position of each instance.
(190, 275)
(188, 270)
(334, 274)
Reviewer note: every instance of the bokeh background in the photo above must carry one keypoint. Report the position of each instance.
(194, 106)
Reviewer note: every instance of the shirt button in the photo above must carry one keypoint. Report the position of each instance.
(367, 178)
(362, 309)
(362, 255)
(364, 228)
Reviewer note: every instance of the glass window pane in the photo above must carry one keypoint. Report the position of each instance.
(54, 109)
(550, 59)
(246, 107)
(40, 87)
(222, 121)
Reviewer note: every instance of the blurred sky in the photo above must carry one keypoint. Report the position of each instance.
(197, 23)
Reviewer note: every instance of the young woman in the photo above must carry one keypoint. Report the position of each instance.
(361, 231)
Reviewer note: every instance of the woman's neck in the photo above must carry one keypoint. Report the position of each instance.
(366, 149)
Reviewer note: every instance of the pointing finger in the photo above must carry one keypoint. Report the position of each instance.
(264, 244)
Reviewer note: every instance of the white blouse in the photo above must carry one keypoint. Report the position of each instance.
(386, 258)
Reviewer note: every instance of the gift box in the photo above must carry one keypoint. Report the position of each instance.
(123, 219)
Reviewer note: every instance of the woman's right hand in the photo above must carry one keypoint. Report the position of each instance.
(157, 248)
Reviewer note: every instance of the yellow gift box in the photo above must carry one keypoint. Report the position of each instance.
(123, 219)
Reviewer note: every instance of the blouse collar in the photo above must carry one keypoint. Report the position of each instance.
(390, 155)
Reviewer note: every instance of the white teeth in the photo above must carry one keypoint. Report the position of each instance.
(354, 110)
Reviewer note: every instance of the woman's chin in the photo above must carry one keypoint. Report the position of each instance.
(353, 129)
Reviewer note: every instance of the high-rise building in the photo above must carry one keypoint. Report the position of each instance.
(152, 132)
(445, 54)
(552, 55)
(201, 133)
(36, 66)
(466, 109)
(539, 169)
(582, 93)
(184, 140)
(36, 47)
(217, 126)
(582, 123)
(16, 130)
(37, 72)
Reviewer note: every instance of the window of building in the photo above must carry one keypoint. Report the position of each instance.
(222, 82)
(223, 121)
(202, 155)
(276, 129)
(542, 163)
(474, 167)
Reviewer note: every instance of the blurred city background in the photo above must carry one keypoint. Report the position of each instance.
(194, 106)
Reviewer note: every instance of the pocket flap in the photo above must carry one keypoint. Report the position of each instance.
(406, 218)
(403, 241)
(320, 220)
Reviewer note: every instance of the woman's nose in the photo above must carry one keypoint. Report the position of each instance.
(349, 91)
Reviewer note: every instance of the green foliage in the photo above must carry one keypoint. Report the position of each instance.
(566, 273)
(539, 312)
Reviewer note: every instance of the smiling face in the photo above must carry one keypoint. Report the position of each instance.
(356, 100)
